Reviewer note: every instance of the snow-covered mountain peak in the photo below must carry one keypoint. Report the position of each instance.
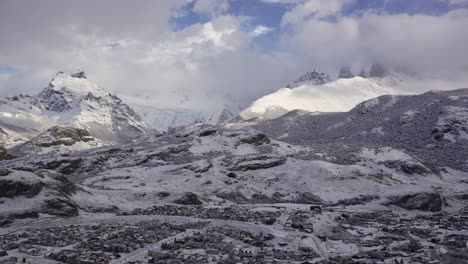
(73, 100)
(75, 83)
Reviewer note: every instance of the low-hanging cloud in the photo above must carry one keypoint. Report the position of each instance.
(208, 64)
(424, 44)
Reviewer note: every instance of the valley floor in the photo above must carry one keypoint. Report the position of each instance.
(272, 233)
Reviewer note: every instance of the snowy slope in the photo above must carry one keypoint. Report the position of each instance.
(337, 96)
(69, 99)
(432, 126)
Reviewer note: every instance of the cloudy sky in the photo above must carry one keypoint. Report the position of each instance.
(206, 53)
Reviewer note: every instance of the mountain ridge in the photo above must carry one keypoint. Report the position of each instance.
(70, 99)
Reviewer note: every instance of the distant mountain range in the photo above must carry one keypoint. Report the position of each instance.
(317, 92)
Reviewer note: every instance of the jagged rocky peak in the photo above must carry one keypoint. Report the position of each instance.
(79, 75)
(75, 83)
(66, 90)
(377, 71)
(363, 74)
(345, 73)
(311, 78)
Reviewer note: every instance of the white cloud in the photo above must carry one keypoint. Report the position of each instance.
(260, 30)
(419, 43)
(283, 1)
(211, 7)
(456, 2)
(314, 8)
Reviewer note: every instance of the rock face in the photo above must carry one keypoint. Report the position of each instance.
(255, 162)
(4, 155)
(188, 198)
(363, 74)
(256, 140)
(12, 188)
(377, 71)
(41, 191)
(345, 73)
(79, 75)
(58, 138)
(60, 207)
(311, 78)
(424, 201)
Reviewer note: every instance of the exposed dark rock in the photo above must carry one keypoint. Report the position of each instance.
(11, 188)
(163, 194)
(60, 207)
(413, 168)
(189, 198)
(345, 73)
(256, 162)
(24, 214)
(338, 233)
(463, 196)
(4, 155)
(358, 200)
(232, 175)
(207, 132)
(5, 220)
(4, 172)
(261, 198)
(235, 197)
(363, 74)
(424, 201)
(306, 198)
(79, 74)
(377, 71)
(73, 166)
(8, 218)
(64, 186)
(102, 208)
(257, 140)
(65, 166)
(314, 78)
(64, 135)
(406, 167)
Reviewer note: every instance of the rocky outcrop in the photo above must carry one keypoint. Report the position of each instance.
(345, 73)
(363, 199)
(12, 188)
(65, 135)
(255, 162)
(310, 78)
(80, 75)
(377, 71)
(4, 172)
(257, 140)
(207, 132)
(41, 191)
(363, 74)
(4, 155)
(424, 201)
(407, 167)
(188, 198)
(60, 207)
(8, 218)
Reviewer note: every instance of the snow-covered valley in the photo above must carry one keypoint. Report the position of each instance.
(378, 179)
